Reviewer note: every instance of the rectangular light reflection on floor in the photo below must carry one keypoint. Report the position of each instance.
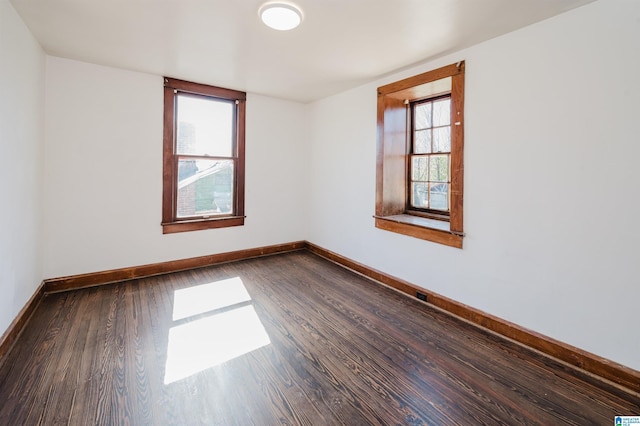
(191, 301)
(207, 342)
(217, 337)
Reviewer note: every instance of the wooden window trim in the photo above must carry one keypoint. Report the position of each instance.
(393, 136)
(170, 222)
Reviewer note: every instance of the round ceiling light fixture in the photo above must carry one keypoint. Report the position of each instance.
(280, 16)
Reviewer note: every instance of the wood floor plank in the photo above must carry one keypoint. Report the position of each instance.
(341, 350)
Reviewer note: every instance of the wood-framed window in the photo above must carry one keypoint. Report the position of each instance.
(203, 157)
(419, 176)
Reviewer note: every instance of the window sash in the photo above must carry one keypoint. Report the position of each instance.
(190, 181)
(429, 183)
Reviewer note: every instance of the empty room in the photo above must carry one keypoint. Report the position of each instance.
(313, 212)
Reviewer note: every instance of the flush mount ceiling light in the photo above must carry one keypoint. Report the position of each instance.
(280, 16)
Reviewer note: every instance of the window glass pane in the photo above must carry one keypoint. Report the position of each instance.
(439, 168)
(442, 112)
(422, 142)
(419, 195)
(204, 126)
(439, 196)
(442, 139)
(422, 116)
(205, 187)
(419, 168)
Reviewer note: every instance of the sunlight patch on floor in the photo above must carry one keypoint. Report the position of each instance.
(209, 341)
(192, 301)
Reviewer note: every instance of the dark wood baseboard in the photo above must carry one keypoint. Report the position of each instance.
(618, 374)
(17, 325)
(74, 282)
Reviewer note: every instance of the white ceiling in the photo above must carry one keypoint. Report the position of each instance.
(340, 44)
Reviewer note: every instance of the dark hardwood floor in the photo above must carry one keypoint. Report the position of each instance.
(295, 340)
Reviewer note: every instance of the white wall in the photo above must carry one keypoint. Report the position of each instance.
(103, 167)
(21, 126)
(551, 158)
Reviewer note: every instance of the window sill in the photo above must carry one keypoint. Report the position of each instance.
(200, 224)
(433, 230)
